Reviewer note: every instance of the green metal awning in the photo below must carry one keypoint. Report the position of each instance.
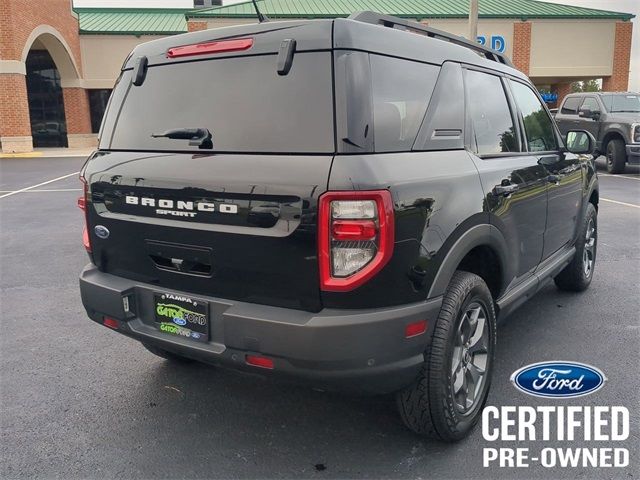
(418, 9)
(131, 21)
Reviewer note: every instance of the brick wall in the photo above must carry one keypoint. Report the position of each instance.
(522, 46)
(194, 26)
(562, 89)
(619, 79)
(76, 110)
(14, 109)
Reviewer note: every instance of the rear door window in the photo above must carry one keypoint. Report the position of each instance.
(401, 93)
(537, 123)
(492, 129)
(570, 106)
(242, 101)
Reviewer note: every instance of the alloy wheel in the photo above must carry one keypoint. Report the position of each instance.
(470, 358)
(589, 253)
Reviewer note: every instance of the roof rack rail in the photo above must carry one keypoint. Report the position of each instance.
(394, 22)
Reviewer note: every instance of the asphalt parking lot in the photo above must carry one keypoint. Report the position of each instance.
(80, 401)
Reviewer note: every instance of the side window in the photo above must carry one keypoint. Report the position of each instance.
(537, 124)
(591, 103)
(570, 106)
(401, 93)
(492, 129)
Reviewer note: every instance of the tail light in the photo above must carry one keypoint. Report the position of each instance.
(356, 235)
(83, 205)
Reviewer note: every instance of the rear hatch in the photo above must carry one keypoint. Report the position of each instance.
(235, 216)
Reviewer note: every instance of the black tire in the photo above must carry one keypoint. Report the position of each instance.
(576, 277)
(429, 407)
(172, 357)
(616, 155)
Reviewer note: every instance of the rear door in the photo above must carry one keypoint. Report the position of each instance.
(567, 116)
(513, 181)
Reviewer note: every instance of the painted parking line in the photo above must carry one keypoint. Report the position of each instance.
(620, 203)
(46, 191)
(636, 178)
(38, 185)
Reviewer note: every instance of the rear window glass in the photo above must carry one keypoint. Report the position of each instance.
(242, 101)
(623, 102)
(401, 93)
(570, 106)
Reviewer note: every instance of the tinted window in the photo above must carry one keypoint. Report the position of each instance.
(491, 121)
(537, 124)
(242, 101)
(591, 103)
(621, 102)
(401, 92)
(98, 100)
(570, 106)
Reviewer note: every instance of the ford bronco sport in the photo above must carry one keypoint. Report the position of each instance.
(613, 118)
(351, 203)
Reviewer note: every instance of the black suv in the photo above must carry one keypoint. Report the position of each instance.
(341, 202)
(614, 120)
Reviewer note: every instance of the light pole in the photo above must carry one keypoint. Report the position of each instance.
(473, 20)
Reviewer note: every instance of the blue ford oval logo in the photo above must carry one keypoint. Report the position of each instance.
(558, 379)
(179, 321)
(101, 231)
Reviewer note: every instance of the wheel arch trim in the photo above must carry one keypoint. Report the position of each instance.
(476, 236)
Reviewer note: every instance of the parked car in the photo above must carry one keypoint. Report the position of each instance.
(613, 118)
(339, 202)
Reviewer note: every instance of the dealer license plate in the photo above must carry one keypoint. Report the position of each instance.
(182, 316)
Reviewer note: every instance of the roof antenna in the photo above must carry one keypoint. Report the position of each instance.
(261, 17)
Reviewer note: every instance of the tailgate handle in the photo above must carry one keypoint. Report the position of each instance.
(180, 258)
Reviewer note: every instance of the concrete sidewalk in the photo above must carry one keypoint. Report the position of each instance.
(51, 153)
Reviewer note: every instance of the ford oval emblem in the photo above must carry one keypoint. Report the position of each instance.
(558, 379)
(101, 231)
(179, 321)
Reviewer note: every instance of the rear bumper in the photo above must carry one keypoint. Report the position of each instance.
(351, 350)
(633, 153)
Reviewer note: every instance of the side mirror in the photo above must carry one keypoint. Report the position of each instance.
(580, 142)
(588, 113)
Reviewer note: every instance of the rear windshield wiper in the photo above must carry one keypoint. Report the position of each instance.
(198, 137)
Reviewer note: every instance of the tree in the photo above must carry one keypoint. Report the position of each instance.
(592, 85)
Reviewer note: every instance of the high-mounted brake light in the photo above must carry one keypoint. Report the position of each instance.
(355, 237)
(221, 46)
(82, 205)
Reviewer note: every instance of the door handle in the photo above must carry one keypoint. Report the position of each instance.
(554, 179)
(505, 190)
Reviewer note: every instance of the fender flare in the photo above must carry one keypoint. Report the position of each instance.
(478, 235)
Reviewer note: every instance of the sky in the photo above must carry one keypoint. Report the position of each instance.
(628, 6)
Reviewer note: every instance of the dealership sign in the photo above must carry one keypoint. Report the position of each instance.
(496, 42)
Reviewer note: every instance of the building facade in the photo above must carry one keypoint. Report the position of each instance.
(58, 65)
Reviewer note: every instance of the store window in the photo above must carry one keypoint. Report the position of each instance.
(98, 100)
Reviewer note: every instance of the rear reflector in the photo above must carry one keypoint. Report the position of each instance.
(111, 323)
(261, 362)
(415, 329)
(223, 46)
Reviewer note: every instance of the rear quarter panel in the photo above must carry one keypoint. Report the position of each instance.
(434, 195)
